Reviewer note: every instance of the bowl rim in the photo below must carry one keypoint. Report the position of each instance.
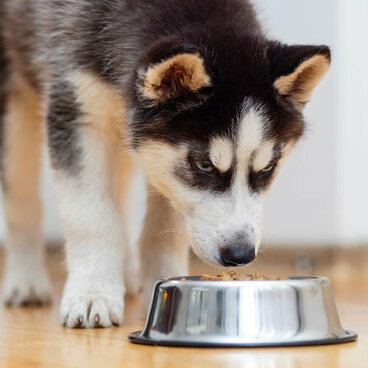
(196, 280)
(139, 338)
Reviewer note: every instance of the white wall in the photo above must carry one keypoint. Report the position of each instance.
(352, 56)
(302, 207)
(320, 195)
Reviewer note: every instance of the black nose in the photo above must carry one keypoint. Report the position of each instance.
(237, 256)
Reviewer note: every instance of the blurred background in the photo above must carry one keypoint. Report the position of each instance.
(319, 198)
(319, 201)
(316, 218)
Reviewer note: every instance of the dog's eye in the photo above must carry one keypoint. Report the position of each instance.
(204, 166)
(268, 168)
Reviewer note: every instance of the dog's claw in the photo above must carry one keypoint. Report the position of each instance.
(97, 320)
(114, 320)
(79, 321)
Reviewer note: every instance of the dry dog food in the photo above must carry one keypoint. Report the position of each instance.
(232, 275)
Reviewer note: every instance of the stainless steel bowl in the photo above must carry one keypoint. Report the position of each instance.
(191, 312)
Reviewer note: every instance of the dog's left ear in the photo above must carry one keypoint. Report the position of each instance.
(296, 70)
(177, 79)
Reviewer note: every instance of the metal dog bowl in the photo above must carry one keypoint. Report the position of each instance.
(191, 312)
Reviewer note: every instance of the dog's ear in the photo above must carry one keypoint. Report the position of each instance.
(296, 70)
(178, 79)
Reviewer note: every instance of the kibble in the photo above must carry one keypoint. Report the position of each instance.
(232, 275)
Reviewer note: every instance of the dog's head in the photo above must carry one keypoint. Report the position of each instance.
(212, 126)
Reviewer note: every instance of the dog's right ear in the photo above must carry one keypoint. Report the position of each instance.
(178, 80)
(296, 70)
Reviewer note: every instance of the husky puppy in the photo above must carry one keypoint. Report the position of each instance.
(192, 90)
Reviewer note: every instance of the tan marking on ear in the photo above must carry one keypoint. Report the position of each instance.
(263, 156)
(193, 75)
(299, 84)
(221, 153)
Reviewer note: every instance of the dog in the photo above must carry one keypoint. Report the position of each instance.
(192, 91)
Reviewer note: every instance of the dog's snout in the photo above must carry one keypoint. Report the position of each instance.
(235, 256)
(239, 251)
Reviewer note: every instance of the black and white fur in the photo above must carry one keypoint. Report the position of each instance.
(192, 90)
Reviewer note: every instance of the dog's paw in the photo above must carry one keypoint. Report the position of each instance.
(90, 308)
(25, 285)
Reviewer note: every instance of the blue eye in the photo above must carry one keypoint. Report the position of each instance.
(268, 168)
(204, 166)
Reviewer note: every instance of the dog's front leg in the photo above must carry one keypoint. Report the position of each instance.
(83, 148)
(163, 244)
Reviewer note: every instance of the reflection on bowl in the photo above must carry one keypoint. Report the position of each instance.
(191, 312)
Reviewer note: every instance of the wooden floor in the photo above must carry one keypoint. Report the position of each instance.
(32, 337)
